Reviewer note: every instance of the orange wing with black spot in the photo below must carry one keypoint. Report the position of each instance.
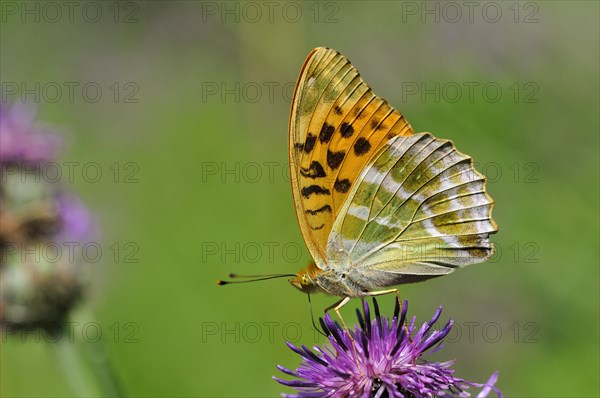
(337, 124)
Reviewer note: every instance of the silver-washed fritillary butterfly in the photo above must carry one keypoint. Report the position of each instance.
(378, 204)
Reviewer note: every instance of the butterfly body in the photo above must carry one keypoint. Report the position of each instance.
(349, 281)
(378, 204)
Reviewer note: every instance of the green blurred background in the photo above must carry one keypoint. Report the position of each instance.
(193, 113)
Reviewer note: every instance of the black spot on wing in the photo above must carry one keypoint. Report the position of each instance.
(326, 133)
(347, 130)
(314, 171)
(361, 146)
(316, 189)
(342, 185)
(317, 228)
(375, 124)
(299, 146)
(309, 144)
(319, 210)
(334, 159)
(337, 110)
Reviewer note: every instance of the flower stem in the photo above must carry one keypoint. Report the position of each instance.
(77, 374)
(86, 365)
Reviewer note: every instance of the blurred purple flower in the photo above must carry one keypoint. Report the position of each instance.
(77, 223)
(22, 139)
(40, 280)
(383, 358)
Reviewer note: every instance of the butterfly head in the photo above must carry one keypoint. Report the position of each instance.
(305, 279)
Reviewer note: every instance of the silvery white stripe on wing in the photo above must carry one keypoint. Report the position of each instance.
(426, 146)
(444, 179)
(383, 180)
(394, 153)
(389, 221)
(388, 182)
(434, 232)
(359, 211)
(475, 188)
(463, 200)
(463, 214)
(446, 170)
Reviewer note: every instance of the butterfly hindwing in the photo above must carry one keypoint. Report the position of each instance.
(419, 208)
(337, 124)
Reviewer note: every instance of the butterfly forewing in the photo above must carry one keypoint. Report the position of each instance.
(337, 125)
(419, 208)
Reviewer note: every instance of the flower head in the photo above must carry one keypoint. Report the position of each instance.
(23, 139)
(379, 358)
(41, 274)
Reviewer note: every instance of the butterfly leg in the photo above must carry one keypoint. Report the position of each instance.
(338, 305)
(336, 308)
(382, 292)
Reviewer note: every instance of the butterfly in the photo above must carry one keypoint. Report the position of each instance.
(378, 204)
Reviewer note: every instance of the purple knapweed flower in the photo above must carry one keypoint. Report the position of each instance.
(22, 138)
(379, 358)
(43, 226)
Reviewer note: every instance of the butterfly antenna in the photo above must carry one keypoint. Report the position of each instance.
(312, 316)
(251, 278)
